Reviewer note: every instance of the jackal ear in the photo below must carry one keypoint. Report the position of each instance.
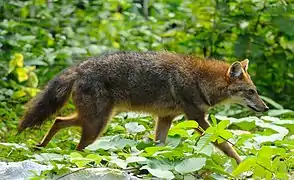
(235, 70)
(245, 63)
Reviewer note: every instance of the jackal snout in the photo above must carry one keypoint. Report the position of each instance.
(254, 102)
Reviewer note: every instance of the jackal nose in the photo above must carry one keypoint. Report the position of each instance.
(266, 108)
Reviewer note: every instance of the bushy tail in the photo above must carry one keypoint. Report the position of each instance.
(49, 100)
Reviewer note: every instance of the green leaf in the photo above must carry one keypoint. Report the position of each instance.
(78, 159)
(181, 132)
(223, 124)
(247, 123)
(173, 141)
(33, 80)
(119, 162)
(48, 157)
(161, 173)
(245, 166)
(133, 159)
(152, 150)
(214, 122)
(160, 168)
(211, 130)
(18, 94)
(134, 127)
(18, 59)
(279, 112)
(189, 124)
(94, 157)
(190, 165)
(111, 142)
(12, 66)
(203, 142)
(21, 74)
(224, 134)
(32, 91)
(81, 161)
(272, 102)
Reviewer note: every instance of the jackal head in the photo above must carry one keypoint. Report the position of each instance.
(241, 89)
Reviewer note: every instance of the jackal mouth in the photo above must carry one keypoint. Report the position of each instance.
(251, 107)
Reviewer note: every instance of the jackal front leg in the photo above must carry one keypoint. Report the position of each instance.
(199, 116)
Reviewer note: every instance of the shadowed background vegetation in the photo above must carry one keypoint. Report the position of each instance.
(39, 38)
(51, 35)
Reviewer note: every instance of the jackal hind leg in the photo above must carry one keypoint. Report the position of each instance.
(199, 116)
(163, 124)
(95, 117)
(59, 123)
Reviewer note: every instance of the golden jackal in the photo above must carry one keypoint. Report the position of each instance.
(161, 83)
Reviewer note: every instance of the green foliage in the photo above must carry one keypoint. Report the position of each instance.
(40, 38)
(218, 132)
(268, 149)
(51, 35)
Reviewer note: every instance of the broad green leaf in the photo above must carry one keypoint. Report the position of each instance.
(81, 161)
(279, 112)
(245, 165)
(18, 59)
(133, 159)
(19, 94)
(223, 124)
(22, 74)
(269, 118)
(102, 143)
(181, 132)
(247, 123)
(173, 141)
(15, 145)
(119, 162)
(48, 157)
(189, 124)
(161, 173)
(208, 149)
(280, 168)
(134, 127)
(289, 124)
(32, 91)
(33, 80)
(121, 143)
(203, 142)
(190, 165)
(224, 134)
(160, 168)
(111, 142)
(211, 130)
(94, 157)
(261, 172)
(152, 150)
(272, 102)
(163, 164)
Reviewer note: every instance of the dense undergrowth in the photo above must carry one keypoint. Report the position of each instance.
(265, 142)
(39, 38)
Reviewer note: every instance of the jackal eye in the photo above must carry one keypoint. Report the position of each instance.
(251, 91)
